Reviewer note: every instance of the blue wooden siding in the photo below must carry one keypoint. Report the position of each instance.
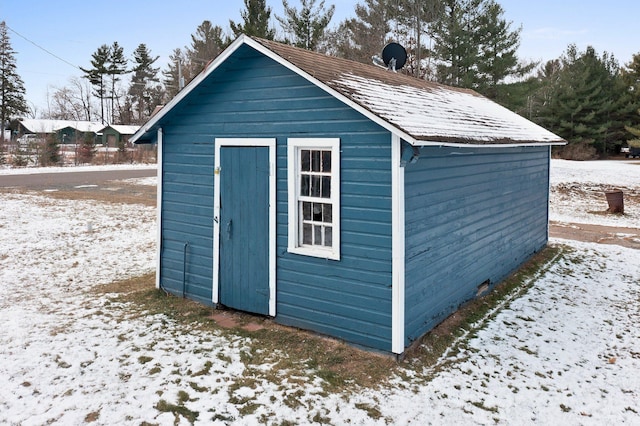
(187, 215)
(252, 96)
(471, 215)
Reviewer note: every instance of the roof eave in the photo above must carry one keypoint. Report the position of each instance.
(512, 144)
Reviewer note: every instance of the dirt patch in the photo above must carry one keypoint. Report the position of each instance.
(117, 192)
(626, 237)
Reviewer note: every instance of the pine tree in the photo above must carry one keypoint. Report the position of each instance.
(143, 88)
(176, 73)
(413, 18)
(96, 75)
(12, 91)
(582, 99)
(50, 154)
(634, 141)
(498, 46)
(456, 43)
(87, 149)
(307, 26)
(365, 35)
(117, 66)
(206, 44)
(255, 20)
(630, 80)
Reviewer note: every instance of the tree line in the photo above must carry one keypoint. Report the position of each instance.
(586, 97)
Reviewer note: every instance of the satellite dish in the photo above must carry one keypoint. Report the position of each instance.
(394, 56)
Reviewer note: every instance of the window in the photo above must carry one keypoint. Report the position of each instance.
(314, 197)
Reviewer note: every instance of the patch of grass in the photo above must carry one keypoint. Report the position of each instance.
(481, 406)
(144, 359)
(92, 417)
(371, 411)
(179, 410)
(198, 388)
(205, 370)
(248, 409)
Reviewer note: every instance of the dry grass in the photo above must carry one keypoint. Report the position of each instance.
(115, 192)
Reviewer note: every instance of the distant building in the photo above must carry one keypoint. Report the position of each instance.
(114, 135)
(67, 131)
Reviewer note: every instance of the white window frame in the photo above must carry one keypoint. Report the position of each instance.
(294, 146)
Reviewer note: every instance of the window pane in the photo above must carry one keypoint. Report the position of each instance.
(305, 190)
(328, 236)
(326, 161)
(315, 161)
(305, 163)
(326, 187)
(317, 235)
(307, 237)
(327, 213)
(315, 186)
(306, 211)
(317, 212)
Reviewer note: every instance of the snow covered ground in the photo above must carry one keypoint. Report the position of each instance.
(567, 351)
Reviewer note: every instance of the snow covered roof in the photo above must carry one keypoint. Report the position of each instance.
(420, 112)
(51, 126)
(122, 129)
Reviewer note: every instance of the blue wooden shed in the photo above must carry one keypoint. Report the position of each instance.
(341, 197)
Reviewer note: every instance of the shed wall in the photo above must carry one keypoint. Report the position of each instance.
(472, 215)
(251, 96)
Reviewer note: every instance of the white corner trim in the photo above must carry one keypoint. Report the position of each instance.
(397, 247)
(159, 208)
(245, 142)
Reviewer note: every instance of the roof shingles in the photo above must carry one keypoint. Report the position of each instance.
(425, 111)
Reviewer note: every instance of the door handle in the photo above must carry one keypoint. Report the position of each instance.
(229, 228)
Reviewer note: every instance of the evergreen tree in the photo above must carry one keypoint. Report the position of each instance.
(413, 19)
(144, 85)
(365, 35)
(498, 46)
(456, 42)
(634, 141)
(206, 45)
(12, 91)
(117, 66)
(176, 73)
(307, 26)
(96, 75)
(630, 81)
(255, 20)
(476, 48)
(583, 98)
(50, 154)
(87, 149)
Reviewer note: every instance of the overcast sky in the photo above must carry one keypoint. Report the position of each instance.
(72, 30)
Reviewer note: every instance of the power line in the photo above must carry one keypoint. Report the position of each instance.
(42, 48)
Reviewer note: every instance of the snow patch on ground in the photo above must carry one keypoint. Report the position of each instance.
(578, 192)
(567, 351)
